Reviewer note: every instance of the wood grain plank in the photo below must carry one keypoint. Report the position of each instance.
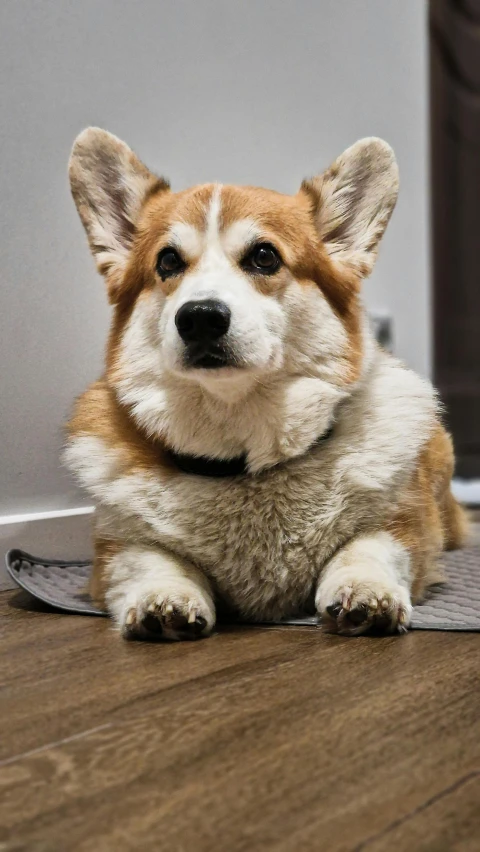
(449, 820)
(257, 739)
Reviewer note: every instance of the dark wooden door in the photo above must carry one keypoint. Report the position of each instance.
(455, 181)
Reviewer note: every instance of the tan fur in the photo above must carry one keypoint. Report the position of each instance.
(97, 412)
(351, 525)
(285, 220)
(429, 519)
(105, 550)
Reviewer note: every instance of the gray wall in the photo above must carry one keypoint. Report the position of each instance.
(254, 91)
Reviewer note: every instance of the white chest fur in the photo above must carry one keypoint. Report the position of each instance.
(263, 539)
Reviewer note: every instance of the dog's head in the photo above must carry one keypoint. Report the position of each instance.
(226, 286)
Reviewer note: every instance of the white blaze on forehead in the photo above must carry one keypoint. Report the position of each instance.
(213, 216)
(238, 235)
(191, 240)
(231, 242)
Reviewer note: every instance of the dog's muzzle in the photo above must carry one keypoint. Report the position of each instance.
(202, 325)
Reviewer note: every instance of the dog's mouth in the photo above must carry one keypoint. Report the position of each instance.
(209, 358)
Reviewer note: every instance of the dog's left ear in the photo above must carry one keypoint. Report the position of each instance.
(109, 186)
(353, 200)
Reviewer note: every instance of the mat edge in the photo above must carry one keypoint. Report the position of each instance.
(16, 553)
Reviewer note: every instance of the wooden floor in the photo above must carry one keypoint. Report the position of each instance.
(255, 739)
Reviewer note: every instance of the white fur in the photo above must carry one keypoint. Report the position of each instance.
(371, 571)
(261, 417)
(143, 580)
(254, 336)
(264, 540)
(292, 348)
(213, 214)
(302, 530)
(185, 238)
(240, 234)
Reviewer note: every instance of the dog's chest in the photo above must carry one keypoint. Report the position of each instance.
(262, 540)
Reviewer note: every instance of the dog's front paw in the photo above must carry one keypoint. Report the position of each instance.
(166, 615)
(355, 606)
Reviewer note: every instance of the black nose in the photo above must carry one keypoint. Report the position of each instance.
(203, 321)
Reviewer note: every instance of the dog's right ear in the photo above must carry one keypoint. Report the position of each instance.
(109, 186)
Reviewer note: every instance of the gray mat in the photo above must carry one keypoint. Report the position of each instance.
(454, 605)
(62, 585)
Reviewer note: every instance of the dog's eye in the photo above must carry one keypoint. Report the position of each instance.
(169, 262)
(263, 258)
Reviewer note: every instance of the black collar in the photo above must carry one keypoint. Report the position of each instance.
(204, 466)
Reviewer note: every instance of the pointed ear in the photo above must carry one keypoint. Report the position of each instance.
(109, 185)
(353, 200)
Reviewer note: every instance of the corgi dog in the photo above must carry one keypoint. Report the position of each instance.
(249, 445)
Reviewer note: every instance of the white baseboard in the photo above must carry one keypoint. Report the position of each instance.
(65, 534)
(467, 491)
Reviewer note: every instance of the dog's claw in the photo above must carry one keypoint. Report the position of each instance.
(156, 619)
(354, 611)
(334, 610)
